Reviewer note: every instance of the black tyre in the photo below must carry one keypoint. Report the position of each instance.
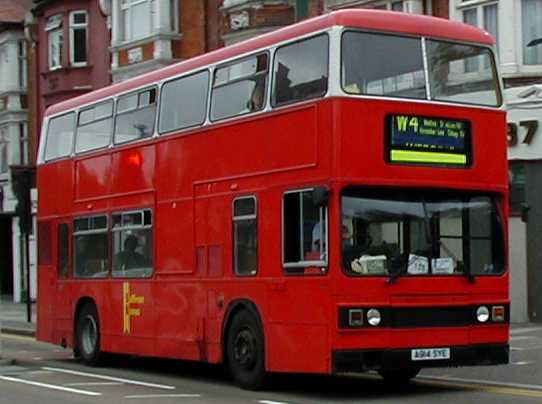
(88, 336)
(245, 353)
(398, 376)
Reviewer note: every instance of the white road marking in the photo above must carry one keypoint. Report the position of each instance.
(50, 386)
(111, 378)
(164, 396)
(536, 387)
(94, 384)
(21, 337)
(524, 330)
(520, 363)
(522, 337)
(36, 358)
(272, 402)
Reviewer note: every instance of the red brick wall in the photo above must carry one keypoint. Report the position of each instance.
(441, 8)
(193, 28)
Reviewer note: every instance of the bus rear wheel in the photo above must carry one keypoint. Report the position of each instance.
(88, 336)
(398, 376)
(245, 353)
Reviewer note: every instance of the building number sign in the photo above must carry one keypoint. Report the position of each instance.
(530, 131)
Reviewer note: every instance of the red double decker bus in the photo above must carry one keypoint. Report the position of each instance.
(328, 197)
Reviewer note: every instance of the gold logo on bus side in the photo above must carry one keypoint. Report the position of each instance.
(128, 311)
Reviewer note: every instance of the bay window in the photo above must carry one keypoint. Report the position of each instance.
(531, 14)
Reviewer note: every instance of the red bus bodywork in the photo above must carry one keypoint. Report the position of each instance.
(190, 179)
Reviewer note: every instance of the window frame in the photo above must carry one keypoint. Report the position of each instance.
(241, 218)
(103, 118)
(289, 268)
(101, 230)
(47, 137)
(275, 105)
(176, 79)
(266, 73)
(56, 37)
(122, 228)
(77, 26)
(137, 92)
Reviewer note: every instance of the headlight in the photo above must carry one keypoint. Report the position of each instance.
(482, 314)
(373, 317)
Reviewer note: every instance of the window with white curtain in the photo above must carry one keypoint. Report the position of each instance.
(137, 18)
(55, 37)
(531, 17)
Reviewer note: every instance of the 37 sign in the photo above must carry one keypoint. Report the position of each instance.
(530, 131)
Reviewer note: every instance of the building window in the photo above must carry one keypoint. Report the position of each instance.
(304, 230)
(56, 38)
(23, 143)
(245, 236)
(482, 16)
(78, 38)
(516, 176)
(22, 64)
(4, 145)
(137, 18)
(531, 14)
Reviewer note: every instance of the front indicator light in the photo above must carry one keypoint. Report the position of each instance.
(373, 317)
(482, 314)
(497, 314)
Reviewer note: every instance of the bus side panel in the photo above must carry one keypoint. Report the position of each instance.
(298, 327)
(46, 286)
(92, 177)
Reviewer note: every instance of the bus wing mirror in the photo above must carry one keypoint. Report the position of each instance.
(320, 196)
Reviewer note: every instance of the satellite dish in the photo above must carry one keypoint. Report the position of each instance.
(105, 7)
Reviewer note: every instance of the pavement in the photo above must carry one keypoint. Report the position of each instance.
(13, 317)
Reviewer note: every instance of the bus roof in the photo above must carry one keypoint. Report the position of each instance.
(388, 21)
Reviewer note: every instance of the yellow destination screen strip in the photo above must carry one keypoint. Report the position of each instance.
(408, 156)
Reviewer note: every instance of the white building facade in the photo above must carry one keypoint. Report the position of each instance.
(13, 151)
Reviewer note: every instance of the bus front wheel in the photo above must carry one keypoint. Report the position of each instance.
(245, 351)
(398, 376)
(88, 335)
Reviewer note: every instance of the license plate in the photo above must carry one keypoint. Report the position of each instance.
(430, 354)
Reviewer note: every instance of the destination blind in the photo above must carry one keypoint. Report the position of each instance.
(428, 140)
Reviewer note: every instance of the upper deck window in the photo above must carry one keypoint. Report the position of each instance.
(239, 88)
(386, 65)
(393, 66)
(452, 78)
(135, 116)
(184, 102)
(300, 70)
(60, 136)
(94, 127)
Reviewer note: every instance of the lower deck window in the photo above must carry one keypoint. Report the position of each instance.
(305, 232)
(91, 258)
(245, 233)
(132, 244)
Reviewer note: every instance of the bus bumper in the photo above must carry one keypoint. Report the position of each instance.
(376, 359)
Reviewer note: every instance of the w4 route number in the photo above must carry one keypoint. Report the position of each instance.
(513, 138)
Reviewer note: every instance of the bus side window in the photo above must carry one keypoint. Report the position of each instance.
(245, 236)
(183, 102)
(63, 250)
(301, 70)
(135, 116)
(94, 127)
(91, 253)
(132, 244)
(239, 88)
(59, 139)
(304, 232)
